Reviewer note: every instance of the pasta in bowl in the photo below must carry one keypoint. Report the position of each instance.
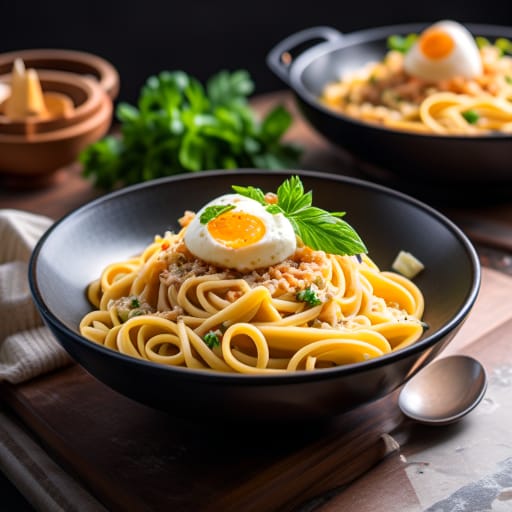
(308, 335)
(203, 298)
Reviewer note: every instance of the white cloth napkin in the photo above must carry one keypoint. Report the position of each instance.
(27, 348)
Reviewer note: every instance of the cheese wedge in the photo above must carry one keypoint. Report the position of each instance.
(5, 92)
(26, 99)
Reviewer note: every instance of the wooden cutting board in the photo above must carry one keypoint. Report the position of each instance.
(135, 458)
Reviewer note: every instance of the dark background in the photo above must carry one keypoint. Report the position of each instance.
(201, 37)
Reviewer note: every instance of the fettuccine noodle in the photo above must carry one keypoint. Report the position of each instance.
(383, 93)
(162, 305)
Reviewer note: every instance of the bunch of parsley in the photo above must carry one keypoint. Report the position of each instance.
(179, 125)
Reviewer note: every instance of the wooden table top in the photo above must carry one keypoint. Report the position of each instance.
(125, 462)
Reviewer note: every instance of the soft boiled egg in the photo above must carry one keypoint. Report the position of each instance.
(444, 50)
(244, 237)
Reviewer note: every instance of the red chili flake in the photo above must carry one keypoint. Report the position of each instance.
(165, 246)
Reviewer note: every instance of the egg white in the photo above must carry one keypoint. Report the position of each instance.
(278, 242)
(464, 60)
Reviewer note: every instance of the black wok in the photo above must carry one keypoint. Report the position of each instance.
(307, 60)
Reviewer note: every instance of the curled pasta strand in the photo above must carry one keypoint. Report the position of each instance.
(96, 325)
(339, 351)
(276, 363)
(189, 287)
(400, 334)
(243, 310)
(260, 345)
(209, 293)
(117, 271)
(301, 318)
(287, 305)
(294, 338)
(192, 340)
(147, 280)
(387, 286)
(155, 352)
(119, 288)
(94, 293)
(418, 299)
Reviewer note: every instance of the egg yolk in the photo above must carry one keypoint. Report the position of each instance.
(236, 229)
(436, 44)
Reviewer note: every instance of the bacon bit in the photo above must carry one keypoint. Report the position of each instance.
(186, 219)
(271, 198)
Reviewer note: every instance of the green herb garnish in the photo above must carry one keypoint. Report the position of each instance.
(481, 42)
(471, 116)
(211, 339)
(308, 296)
(504, 45)
(317, 228)
(401, 44)
(211, 212)
(135, 303)
(179, 125)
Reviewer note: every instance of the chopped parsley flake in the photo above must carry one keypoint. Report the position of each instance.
(211, 339)
(471, 116)
(308, 296)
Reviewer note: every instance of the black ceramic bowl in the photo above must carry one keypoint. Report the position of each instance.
(73, 252)
(310, 59)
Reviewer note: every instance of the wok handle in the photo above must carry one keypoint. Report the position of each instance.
(279, 59)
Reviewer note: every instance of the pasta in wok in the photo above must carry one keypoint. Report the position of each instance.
(443, 82)
(308, 310)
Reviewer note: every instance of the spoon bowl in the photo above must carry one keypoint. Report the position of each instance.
(444, 391)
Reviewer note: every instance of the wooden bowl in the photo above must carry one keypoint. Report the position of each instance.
(80, 63)
(32, 150)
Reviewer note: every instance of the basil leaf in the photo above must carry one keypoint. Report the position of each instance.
(251, 192)
(332, 237)
(317, 228)
(291, 197)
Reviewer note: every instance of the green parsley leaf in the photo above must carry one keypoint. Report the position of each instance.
(318, 229)
(211, 339)
(504, 45)
(212, 212)
(471, 116)
(308, 296)
(135, 303)
(401, 44)
(179, 125)
(481, 42)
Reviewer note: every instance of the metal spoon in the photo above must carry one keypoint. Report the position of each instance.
(444, 391)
